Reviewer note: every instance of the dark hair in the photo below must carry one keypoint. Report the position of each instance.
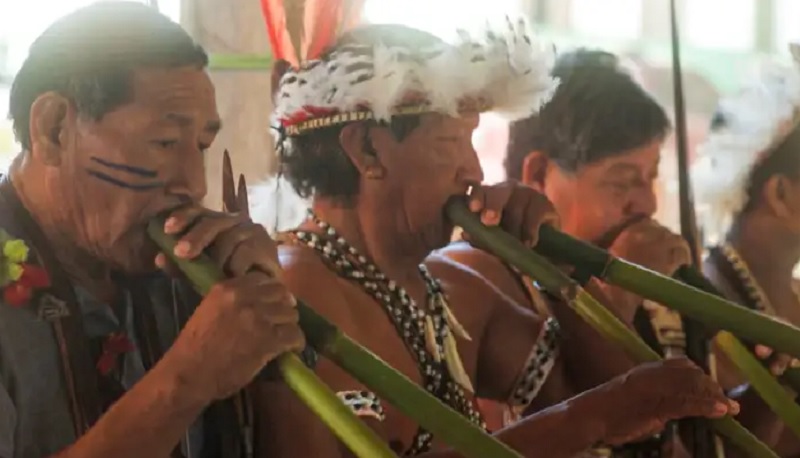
(784, 159)
(315, 163)
(597, 111)
(89, 56)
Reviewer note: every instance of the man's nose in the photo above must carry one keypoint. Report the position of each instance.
(643, 202)
(190, 179)
(470, 170)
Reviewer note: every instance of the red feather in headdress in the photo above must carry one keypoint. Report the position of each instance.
(279, 38)
(301, 30)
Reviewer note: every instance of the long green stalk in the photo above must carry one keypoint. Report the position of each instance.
(328, 340)
(693, 277)
(709, 309)
(691, 280)
(510, 250)
(716, 313)
(762, 380)
(359, 438)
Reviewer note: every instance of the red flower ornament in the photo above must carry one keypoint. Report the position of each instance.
(18, 278)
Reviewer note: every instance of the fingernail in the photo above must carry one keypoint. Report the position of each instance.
(489, 217)
(721, 408)
(763, 352)
(182, 248)
(170, 223)
(475, 205)
(734, 407)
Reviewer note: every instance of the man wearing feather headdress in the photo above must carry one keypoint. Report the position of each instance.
(747, 183)
(376, 131)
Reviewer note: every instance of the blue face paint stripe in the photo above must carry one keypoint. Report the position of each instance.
(123, 184)
(125, 168)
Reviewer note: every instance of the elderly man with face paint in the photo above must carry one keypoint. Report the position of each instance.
(101, 354)
(376, 131)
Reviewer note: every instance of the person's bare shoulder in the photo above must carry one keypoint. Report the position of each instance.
(313, 282)
(484, 265)
(459, 264)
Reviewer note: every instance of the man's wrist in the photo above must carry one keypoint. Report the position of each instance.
(588, 412)
(180, 387)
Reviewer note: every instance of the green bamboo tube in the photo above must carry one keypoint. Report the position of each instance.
(693, 277)
(761, 380)
(531, 264)
(355, 434)
(713, 311)
(392, 386)
(359, 438)
(453, 428)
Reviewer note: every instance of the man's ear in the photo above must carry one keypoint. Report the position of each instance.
(534, 170)
(782, 196)
(357, 142)
(52, 116)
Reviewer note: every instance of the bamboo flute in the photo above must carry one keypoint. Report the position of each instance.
(390, 385)
(709, 309)
(534, 265)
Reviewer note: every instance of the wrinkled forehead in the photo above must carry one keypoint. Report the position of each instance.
(179, 89)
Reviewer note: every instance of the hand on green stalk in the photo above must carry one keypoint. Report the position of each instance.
(517, 208)
(777, 363)
(233, 241)
(651, 245)
(639, 403)
(242, 323)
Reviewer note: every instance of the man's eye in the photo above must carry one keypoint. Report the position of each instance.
(618, 186)
(166, 144)
(203, 147)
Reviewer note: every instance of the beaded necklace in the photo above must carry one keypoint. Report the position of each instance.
(750, 285)
(428, 333)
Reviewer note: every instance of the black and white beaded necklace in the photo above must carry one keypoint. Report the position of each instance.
(755, 294)
(427, 332)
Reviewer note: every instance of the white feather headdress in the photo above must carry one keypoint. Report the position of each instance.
(505, 71)
(755, 121)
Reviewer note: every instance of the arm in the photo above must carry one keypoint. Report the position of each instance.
(577, 336)
(589, 358)
(561, 431)
(149, 420)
